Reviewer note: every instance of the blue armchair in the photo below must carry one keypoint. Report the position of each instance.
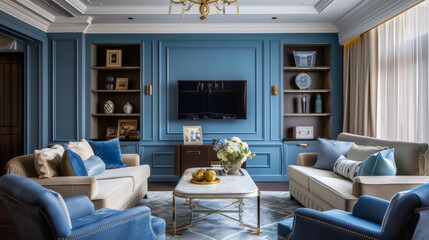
(39, 213)
(408, 219)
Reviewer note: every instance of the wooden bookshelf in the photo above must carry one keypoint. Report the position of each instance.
(320, 76)
(130, 69)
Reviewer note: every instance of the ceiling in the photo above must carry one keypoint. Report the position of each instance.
(93, 15)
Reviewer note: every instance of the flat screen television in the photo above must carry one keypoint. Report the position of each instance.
(212, 99)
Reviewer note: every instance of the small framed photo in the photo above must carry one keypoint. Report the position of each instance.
(114, 58)
(125, 126)
(192, 135)
(134, 135)
(121, 83)
(111, 132)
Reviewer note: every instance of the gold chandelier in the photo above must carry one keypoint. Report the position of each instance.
(204, 6)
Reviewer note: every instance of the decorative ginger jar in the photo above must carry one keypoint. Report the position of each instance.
(128, 108)
(110, 82)
(109, 107)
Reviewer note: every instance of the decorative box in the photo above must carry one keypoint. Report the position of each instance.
(303, 132)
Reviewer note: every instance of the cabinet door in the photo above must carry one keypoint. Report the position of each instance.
(296, 147)
(127, 148)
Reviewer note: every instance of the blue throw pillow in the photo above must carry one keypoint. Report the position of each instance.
(330, 151)
(109, 152)
(94, 166)
(379, 164)
(72, 165)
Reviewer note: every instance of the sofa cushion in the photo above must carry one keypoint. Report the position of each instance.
(302, 174)
(138, 174)
(82, 148)
(409, 156)
(362, 152)
(379, 164)
(47, 161)
(109, 152)
(72, 164)
(329, 151)
(347, 168)
(94, 166)
(111, 192)
(336, 191)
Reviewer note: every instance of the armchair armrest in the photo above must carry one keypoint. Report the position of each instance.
(79, 206)
(328, 226)
(134, 223)
(371, 208)
(306, 159)
(131, 159)
(385, 186)
(70, 186)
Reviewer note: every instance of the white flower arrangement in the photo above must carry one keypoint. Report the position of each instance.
(232, 150)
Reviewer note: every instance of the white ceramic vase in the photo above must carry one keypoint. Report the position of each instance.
(128, 108)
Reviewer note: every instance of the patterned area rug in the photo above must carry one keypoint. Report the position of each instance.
(275, 207)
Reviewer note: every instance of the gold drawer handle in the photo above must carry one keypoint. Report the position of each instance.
(124, 145)
(303, 144)
(215, 163)
(193, 152)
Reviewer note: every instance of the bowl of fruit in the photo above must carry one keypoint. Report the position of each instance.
(205, 177)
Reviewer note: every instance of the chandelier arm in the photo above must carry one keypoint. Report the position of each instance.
(178, 1)
(230, 1)
(217, 6)
(195, 1)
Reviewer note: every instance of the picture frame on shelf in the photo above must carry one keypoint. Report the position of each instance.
(121, 84)
(125, 126)
(134, 135)
(114, 58)
(192, 135)
(111, 132)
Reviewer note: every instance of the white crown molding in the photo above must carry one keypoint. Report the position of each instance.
(70, 24)
(214, 28)
(24, 15)
(322, 4)
(36, 9)
(124, 10)
(369, 14)
(72, 7)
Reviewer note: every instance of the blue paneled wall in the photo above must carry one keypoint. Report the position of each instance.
(58, 92)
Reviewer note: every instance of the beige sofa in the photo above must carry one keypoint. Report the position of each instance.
(119, 188)
(323, 190)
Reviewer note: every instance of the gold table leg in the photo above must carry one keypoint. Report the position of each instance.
(258, 229)
(174, 218)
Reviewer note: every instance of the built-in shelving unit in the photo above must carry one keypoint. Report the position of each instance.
(320, 76)
(130, 69)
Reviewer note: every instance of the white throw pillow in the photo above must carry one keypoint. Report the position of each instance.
(47, 161)
(347, 168)
(82, 148)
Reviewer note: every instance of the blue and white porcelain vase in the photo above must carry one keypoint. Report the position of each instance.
(110, 82)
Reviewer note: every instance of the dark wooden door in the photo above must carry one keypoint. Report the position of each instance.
(11, 107)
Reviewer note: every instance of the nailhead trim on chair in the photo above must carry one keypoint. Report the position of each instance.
(108, 225)
(408, 219)
(340, 228)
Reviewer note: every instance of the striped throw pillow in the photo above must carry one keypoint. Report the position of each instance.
(347, 168)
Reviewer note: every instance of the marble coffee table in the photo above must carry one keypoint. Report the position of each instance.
(237, 187)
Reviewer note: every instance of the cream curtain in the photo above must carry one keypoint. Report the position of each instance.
(403, 101)
(360, 84)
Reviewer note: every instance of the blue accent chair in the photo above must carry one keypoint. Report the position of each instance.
(39, 213)
(408, 219)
